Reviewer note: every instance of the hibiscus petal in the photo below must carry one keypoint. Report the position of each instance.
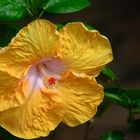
(9, 92)
(84, 50)
(82, 96)
(31, 44)
(40, 114)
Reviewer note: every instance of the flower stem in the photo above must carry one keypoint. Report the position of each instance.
(29, 11)
(42, 12)
(87, 131)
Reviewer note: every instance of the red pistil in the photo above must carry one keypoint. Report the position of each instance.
(51, 81)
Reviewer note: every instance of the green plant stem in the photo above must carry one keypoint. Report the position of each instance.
(118, 84)
(130, 117)
(42, 12)
(29, 11)
(112, 96)
(87, 131)
(28, 8)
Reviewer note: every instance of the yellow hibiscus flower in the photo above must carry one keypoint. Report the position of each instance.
(48, 77)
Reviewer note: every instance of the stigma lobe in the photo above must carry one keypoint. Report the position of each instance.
(51, 81)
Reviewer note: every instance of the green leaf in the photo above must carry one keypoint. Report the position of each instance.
(118, 99)
(118, 96)
(59, 26)
(37, 3)
(136, 106)
(134, 94)
(65, 6)
(107, 71)
(12, 9)
(7, 32)
(129, 98)
(113, 135)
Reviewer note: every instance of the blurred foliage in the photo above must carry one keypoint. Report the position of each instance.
(113, 135)
(134, 125)
(16, 10)
(8, 31)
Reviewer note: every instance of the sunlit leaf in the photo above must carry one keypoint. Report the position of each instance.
(12, 9)
(66, 6)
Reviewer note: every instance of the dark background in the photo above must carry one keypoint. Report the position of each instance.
(119, 20)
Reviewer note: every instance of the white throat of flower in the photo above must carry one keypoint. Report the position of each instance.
(46, 72)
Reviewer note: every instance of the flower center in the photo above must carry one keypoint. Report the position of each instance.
(51, 81)
(46, 72)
